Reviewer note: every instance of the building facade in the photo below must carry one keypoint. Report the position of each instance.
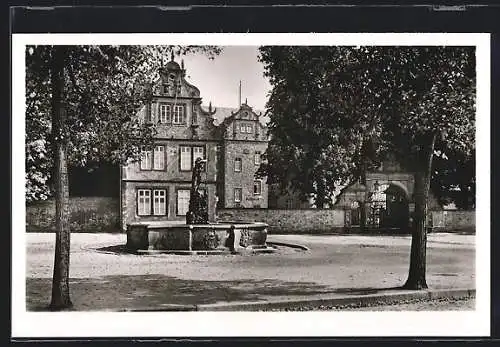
(157, 187)
(244, 142)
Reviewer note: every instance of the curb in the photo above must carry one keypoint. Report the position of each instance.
(340, 300)
(310, 303)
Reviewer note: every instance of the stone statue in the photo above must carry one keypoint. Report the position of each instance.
(198, 203)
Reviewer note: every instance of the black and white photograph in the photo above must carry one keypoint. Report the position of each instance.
(250, 184)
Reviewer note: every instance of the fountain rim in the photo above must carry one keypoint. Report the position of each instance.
(215, 225)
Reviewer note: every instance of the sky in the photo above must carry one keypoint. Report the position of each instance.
(218, 80)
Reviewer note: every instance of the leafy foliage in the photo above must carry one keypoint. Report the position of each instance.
(332, 108)
(105, 88)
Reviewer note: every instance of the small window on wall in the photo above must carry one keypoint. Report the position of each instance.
(143, 202)
(257, 157)
(237, 164)
(198, 152)
(246, 128)
(165, 114)
(185, 158)
(189, 154)
(179, 115)
(146, 160)
(257, 187)
(159, 158)
(159, 202)
(237, 194)
(182, 202)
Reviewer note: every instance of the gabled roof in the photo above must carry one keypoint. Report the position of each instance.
(222, 113)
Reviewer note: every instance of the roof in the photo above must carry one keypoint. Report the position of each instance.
(224, 112)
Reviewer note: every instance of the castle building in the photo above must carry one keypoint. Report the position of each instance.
(157, 187)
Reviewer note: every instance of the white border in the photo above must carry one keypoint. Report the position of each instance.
(180, 324)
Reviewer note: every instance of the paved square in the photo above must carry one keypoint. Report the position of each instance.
(343, 265)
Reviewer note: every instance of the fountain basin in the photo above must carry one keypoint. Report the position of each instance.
(165, 236)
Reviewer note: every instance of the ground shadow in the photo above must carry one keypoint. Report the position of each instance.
(116, 249)
(159, 291)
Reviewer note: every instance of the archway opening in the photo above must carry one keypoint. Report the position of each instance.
(397, 208)
(388, 207)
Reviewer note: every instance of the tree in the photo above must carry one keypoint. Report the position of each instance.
(85, 98)
(454, 179)
(329, 105)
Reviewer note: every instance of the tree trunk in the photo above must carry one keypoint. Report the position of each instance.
(416, 277)
(60, 280)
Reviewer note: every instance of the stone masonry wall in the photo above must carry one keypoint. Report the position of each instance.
(453, 220)
(87, 214)
(317, 221)
(288, 221)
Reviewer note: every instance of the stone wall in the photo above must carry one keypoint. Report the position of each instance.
(87, 214)
(288, 221)
(317, 221)
(453, 220)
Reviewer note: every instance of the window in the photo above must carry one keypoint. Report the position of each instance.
(257, 187)
(237, 194)
(165, 113)
(185, 158)
(146, 159)
(256, 158)
(159, 202)
(178, 117)
(143, 202)
(198, 152)
(246, 128)
(194, 114)
(159, 158)
(237, 164)
(188, 156)
(182, 202)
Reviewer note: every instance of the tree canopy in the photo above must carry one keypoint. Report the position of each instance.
(105, 87)
(331, 108)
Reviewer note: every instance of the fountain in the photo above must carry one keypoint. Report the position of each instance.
(197, 236)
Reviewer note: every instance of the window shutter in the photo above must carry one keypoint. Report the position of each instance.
(153, 112)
